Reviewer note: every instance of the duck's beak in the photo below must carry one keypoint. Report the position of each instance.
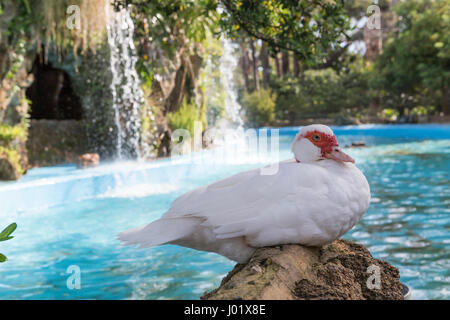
(338, 155)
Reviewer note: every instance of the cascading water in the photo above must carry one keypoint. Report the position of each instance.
(128, 97)
(227, 65)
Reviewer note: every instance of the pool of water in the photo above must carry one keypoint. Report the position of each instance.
(71, 217)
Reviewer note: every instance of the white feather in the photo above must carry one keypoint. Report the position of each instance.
(306, 203)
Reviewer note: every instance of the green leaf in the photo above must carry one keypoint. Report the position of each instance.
(2, 258)
(5, 234)
(7, 238)
(27, 6)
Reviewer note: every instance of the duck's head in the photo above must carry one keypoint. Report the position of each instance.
(317, 142)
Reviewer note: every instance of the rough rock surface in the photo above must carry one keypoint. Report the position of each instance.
(357, 144)
(52, 142)
(338, 271)
(88, 160)
(13, 158)
(8, 171)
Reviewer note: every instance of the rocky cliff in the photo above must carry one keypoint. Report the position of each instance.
(342, 270)
(53, 142)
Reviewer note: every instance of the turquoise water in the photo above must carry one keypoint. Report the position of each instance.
(70, 217)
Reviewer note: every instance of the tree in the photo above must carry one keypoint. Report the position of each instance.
(244, 62)
(170, 35)
(259, 107)
(306, 28)
(264, 57)
(418, 58)
(285, 62)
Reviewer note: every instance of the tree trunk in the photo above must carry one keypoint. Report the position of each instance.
(194, 65)
(285, 62)
(255, 67)
(296, 64)
(244, 62)
(374, 107)
(278, 65)
(264, 56)
(175, 97)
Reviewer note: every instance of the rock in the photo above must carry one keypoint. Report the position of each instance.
(13, 152)
(338, 271)
(165, 144)
(357, 144)
(45, 150)
(8, 170)
(88, 160)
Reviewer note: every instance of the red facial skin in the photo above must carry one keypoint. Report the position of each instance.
(325, 142)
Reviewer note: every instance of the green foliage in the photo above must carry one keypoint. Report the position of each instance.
(418, 112)
(20, 25)
(184, 118)
(10, 133)
(305, 27)
(358, 8)
(259, 107)
(288, 96)
(14, 157)
(6, 235)
(421, 110)
(388, 114)
(321, 94)
(170, 23)
(44, 22)
(10, 136)
(418, 58)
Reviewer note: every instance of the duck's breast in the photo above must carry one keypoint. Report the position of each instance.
(324, 202)
(347, 199)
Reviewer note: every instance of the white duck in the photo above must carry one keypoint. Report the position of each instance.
(311, 201)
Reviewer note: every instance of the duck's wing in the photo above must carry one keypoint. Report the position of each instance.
(248, 202)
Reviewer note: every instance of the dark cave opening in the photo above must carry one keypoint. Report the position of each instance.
(51, 94)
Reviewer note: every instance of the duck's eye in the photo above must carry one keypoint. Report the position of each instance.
(316, 137)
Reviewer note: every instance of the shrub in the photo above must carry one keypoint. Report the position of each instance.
(12, 145)
(14, 158)
(321, 93)
(9, 133)
(289, 100)
(259, 107)
(388, 114)
(183, 118)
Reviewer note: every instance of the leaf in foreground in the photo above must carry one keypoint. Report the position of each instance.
(5, 234)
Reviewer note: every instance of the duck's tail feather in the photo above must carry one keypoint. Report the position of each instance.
(162, 231)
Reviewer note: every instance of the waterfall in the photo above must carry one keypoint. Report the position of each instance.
(128, 97)
(227, 65)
